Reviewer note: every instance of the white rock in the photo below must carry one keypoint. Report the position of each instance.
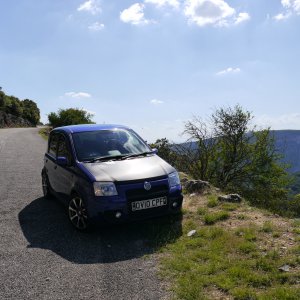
(284, 268)
(191, 233)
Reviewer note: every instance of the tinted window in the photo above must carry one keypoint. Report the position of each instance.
(62, 148)
(53, 144)
(93, 144)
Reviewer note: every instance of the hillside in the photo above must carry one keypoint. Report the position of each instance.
(17, 113)
(231, 251)
(288, 143)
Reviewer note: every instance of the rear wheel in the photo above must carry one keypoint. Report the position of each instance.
(78, 214)
(46, 186)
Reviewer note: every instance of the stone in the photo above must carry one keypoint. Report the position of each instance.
(284, 268)
(235, 198)
(196, 186)
(191, 233)
(8, 120)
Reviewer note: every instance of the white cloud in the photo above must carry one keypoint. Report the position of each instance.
(281, 16)
(162, 3)
(284, 121)
(156, 102)
(78, 95)
(290, 7)
(97, 26)
(208, 12)
(91, 6)
(229, 70)
(134, 14)
(242, 17)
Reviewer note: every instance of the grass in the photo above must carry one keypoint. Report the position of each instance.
(212, 218)
(44, 132)
(267, 227)
(229, 262)
(212, 201)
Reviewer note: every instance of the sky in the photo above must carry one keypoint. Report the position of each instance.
(154, 64)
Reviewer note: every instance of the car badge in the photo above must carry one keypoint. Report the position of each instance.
(147, 185)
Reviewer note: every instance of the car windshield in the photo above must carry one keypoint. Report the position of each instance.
(92, 145)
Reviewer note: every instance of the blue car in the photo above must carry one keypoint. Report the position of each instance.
(108, 173)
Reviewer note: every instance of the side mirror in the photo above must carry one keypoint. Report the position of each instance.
(154, 150)
(62, 161)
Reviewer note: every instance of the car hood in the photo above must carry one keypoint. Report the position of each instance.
(129, 169)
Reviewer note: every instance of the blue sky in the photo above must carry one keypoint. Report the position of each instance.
(154, 64)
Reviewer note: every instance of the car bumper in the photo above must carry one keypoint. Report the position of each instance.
(118, 209)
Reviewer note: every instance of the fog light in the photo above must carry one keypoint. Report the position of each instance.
(175, 204)
(118, 215)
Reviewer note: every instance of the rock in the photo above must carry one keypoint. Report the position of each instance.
(8, 120)
(235, 198)
(195, 186)
(193, 195)
(284, 268)
(191, 233)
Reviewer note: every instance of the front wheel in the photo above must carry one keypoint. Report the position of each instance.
(78, 214)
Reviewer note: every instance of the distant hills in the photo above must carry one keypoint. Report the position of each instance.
(288, 143)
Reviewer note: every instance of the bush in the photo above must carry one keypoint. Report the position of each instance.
(70, 116)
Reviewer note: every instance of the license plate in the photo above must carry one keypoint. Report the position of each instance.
(150, 203)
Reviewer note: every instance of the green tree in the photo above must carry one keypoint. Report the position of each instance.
(232, 155)
(165, 151)
(70, 116)
(16, 107)
(30, 111)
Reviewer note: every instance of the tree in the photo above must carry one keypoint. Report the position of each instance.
(30, 111)
(232, 155)
(70, 116)
(165, 151)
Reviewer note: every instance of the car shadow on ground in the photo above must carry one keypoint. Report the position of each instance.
(45, 225)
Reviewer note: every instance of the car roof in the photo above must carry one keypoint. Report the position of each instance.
(89, 127)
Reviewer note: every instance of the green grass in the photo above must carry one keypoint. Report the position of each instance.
(228, 260)
(44, 132)
(230, 206)
(267, 227)
(212, 201)
(212, 218)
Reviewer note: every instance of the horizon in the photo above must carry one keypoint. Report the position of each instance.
(153, 64)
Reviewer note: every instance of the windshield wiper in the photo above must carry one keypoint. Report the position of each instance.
(136, 154)
(116, 157)
(104, 158)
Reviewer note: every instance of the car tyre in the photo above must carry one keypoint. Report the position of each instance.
(78, 214)
(46, 186)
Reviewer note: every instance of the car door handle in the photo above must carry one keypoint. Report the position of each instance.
(55, 167)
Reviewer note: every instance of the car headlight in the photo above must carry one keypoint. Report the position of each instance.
(173, 179)
(105, 189)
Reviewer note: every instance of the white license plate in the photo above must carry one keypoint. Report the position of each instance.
(150, 203)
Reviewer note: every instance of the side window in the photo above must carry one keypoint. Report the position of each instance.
(53, 144)
(62, 148)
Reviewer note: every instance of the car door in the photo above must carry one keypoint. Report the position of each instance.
(64, 174)
(50, 160)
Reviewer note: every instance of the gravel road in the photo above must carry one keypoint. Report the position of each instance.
(43, 257)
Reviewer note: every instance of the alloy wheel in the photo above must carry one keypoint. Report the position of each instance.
(77, 213)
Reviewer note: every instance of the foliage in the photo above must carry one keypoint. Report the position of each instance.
(166, 152)
(70, 116)
(295, 185)
(228, 152)
(26, 109)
